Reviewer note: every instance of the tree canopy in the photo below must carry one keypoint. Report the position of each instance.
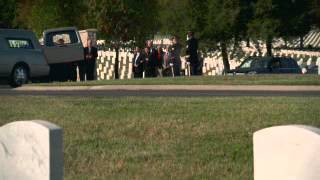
(218, 22)
(8, 13)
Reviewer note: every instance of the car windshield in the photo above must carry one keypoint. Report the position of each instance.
(253, 63)
(247, 63)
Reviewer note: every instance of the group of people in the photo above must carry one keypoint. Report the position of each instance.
(159, 62)
(147, 62)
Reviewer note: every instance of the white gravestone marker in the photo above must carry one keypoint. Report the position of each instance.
(31, 150)
(287, 153)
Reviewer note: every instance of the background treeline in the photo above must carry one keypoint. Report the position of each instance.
(218, 23)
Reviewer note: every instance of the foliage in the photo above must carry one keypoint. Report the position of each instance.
(7, 11)
(226, 21)
(123, 20)
(39, 15)
(214, 21)
(315, 12)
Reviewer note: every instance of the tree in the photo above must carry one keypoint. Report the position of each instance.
(23, 14)
(280, 18)
(124, 20)
(178, 17)
(295, 19)
(175, 17)
(7, 12)
(224, 22)
(50, 14)
(265, 24)
(315, 12)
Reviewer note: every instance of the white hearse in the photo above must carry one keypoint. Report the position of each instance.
(23, 58)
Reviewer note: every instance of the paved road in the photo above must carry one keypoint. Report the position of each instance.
(166, 91)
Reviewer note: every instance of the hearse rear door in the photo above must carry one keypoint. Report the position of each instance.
(63, 46)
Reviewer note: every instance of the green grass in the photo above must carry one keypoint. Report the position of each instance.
(161, 138)
(216, 80)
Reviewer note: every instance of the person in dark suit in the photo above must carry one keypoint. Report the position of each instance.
(160, 61)
(151, 60)
(138, 61)
(175, 59)
(192, 52)
(90, 56)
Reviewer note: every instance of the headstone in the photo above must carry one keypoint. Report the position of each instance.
(31, 150)
(287, 153)
(318, 64)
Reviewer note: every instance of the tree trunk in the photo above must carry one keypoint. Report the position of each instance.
(225, 57)
(258, 48)
(116, 66)
(285, 43)
(269, 46)
(235, 46)
(301, 42)
(248, 42)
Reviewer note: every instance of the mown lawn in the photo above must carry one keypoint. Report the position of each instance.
(160, 138)
(205, 80)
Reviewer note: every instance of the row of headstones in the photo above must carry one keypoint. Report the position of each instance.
(312, 38)
(33, 150)
(212, 65)
(213, 62)
(106, 65)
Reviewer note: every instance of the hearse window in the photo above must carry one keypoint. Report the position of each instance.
(20, 43)
(61, 38)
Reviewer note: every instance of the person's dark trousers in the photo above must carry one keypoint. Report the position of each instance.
(177, 69)
(82, 70)
(138, 75)
(138, 71)
(150, 71)
(73, 72)
(194, 69)
(90, 69)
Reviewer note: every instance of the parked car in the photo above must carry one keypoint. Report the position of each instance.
(268, 65)
(21, 57)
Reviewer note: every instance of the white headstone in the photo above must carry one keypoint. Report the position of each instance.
(318, 64)
(287, 153)
(31, 150)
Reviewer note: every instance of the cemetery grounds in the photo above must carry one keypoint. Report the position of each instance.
(160, 137)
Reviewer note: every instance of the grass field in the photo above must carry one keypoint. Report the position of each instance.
(160, 138)
(202, 80)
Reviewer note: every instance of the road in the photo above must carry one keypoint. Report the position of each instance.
(165, 91)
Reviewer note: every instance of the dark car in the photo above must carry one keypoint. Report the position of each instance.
(268, 65)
